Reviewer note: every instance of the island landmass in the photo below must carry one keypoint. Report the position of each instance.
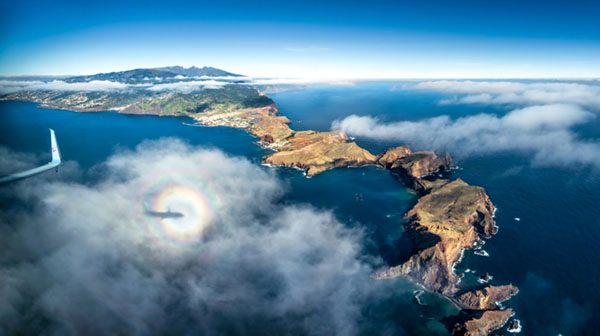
(449, 217)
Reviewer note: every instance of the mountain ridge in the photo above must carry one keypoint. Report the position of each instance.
(148, 74)
(195, 71)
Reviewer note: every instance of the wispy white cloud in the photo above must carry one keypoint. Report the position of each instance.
(8, 86)
(543, 131)
(301, 81)
(223, 78)
(506, 92)
(188, 86)
(94, 85)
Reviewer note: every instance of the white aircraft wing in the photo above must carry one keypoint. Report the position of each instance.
(56, 161)
(54, 148)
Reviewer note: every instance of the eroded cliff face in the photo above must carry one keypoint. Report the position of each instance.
(450, 216)
(428, 267)
(415, 165)
(453, 210)
(486, 298)
(441, 225)
(481, 323)
(390, 156)
(415, 169)
(266, 121)
(315, 152)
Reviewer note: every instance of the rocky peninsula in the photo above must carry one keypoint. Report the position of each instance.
(311, 151)
(449, 217)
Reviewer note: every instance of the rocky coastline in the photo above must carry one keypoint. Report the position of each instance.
(449, 217)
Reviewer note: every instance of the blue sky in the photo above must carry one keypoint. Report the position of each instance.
(400, 39)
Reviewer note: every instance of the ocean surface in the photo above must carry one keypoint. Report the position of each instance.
(552, 253)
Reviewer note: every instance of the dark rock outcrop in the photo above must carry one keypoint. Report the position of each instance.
(392, 155)
(413, 168)
(485, 277)
(415, 165)
(267, 138)
(514, 326)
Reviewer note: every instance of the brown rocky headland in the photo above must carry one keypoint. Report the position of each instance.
(480, 323)
(486, 298)
(449, 217)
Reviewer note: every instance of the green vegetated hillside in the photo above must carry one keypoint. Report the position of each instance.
(144, 101)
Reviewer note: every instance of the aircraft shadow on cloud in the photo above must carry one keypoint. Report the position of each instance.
(163, 214)
(56, 161)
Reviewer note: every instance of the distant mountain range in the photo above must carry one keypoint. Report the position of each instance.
(150, 75)
(198, 72)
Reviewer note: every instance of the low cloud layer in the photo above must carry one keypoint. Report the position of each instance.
(542, 131)
(503, 92)
(9, 86)
(183, 84)
(302, 81)
(188, 86)
(89, 259)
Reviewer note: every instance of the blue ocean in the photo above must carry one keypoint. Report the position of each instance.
(548, 216)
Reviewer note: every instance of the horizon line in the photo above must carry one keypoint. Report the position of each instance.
(316, 79)
(322, 79)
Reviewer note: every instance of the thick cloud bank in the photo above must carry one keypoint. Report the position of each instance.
(502, 92)
(542, 131)
(91, 258)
